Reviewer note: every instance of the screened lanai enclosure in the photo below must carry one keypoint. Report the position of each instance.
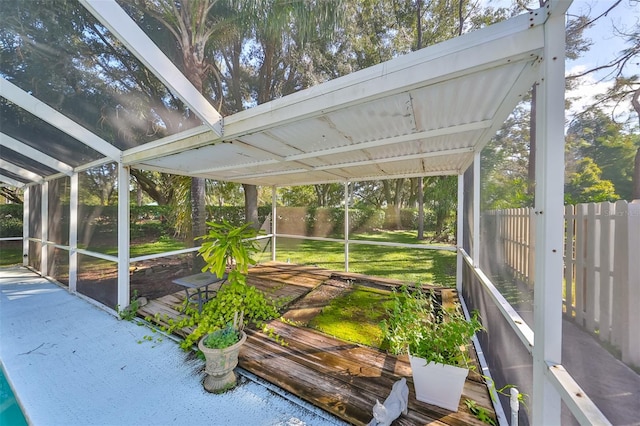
(427, 113)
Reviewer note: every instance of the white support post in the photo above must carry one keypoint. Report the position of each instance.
(44, 221)
(460, 232)
(274, 212)
(25, 227)
(549, 214)
(475, 247)
(73, 233)
(124, 296)
(346, 226)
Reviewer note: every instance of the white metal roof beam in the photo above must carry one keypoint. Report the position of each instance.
(357, 163)
(275, 158)
(10, 181)
(20, 171)
(394, 140)
(393, 159)
(44, 112)
(447, 172)
(113, 17)
(24, 149)
(480, 125)
(191, 138)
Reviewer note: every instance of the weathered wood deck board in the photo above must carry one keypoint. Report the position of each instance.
(299, 275)
(342, 378)
(377, 282)
(366, 371)
(277, 280)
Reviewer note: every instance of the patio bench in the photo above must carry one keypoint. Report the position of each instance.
(200, 283)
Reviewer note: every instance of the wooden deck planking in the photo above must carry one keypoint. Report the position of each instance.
(363, 372)
(344, 379)
(300, 275)
(288, 281)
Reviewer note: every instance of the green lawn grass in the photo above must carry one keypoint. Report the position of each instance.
(10, 253)
(355, 316)
(406, 264)
(163, 244)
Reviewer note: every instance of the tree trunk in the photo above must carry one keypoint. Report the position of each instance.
(149, 186)
(251, 205)
(10, 194)
(398, 203)
(138, 195)
(322, 193)
(198, 218)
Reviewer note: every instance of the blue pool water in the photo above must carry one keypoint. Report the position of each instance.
(10, 413)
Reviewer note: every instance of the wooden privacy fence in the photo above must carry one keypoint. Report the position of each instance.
(508, 237)
(602, 266)
(602, 272)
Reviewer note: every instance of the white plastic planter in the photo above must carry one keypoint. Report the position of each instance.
(438, 384)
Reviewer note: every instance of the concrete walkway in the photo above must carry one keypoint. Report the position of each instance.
(71, 363)
(611, 385)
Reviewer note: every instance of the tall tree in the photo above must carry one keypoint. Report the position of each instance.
(597, 136)
(625, 89)
(586, 185)
(193, 24)
(439, 190)
(266, 57)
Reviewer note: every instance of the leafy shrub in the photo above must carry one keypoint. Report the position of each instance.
(10, 220)
(417, 323)
(13, 210)
(10, 226)
(227, 248)
(222, 337)
(234, 214)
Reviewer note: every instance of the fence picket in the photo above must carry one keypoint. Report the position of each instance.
(569, 261)
(591, 279)
(626, 316)
(621, 270)
(581, 273)
(604, 252)
(631, 324)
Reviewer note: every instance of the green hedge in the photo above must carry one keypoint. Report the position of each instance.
(154, 220)
(10, 220)
(329, 222)
(234, 214)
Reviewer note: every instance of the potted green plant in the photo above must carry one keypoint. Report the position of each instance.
(218, 327)
(436, 340)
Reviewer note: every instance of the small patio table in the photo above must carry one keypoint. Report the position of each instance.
(200, 283)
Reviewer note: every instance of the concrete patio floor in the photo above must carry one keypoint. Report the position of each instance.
(71, 363)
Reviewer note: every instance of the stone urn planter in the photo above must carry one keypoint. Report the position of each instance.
(220, 364)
